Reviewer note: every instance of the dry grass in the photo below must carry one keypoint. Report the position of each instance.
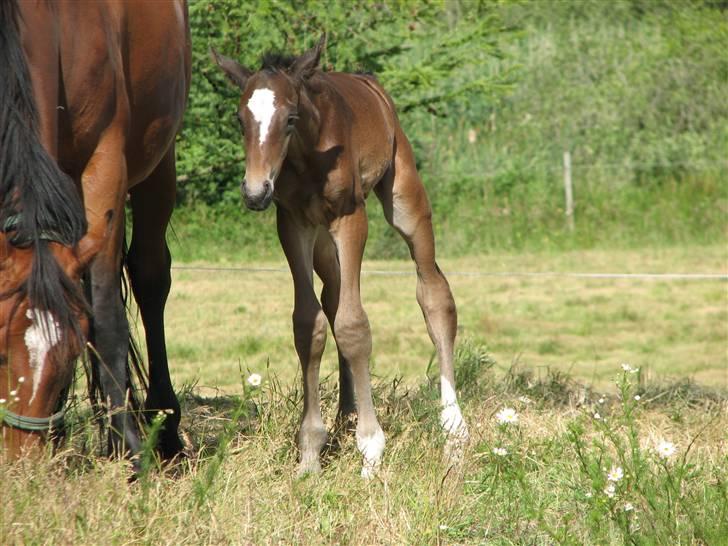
(219, 321)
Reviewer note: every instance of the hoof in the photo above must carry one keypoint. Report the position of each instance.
(309, 467)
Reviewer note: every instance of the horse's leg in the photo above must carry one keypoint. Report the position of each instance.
(407, 209)
(104, 181)
(326, 264)
(353, 336)
(149, 261)
(309, 334)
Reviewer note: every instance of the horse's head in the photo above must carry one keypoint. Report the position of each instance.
(42, 326)
(268, 113)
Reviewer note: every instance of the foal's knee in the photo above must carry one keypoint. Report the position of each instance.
(353, 335)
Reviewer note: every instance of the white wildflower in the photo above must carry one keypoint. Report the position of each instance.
(601, 400)
(254, 380)
(524, 399)
(597, 416)
(628, 507)
(507, 416)
(637, 397)
(500, 451)
(14, 392)
(2, 401)
(21, 379)
(629, 369)
(610, 490)
(666, 449)
(16, 399)
(615, 474)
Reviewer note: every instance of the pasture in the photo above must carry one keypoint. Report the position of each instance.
(222, 320)
(575, 427)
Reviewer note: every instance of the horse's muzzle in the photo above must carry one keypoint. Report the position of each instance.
(260, 199)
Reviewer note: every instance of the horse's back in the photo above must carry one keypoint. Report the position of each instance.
(125, 69)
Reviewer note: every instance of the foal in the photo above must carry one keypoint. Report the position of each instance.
(317, 143)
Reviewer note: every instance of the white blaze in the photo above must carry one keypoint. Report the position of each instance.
(262, 106)
(40, 337)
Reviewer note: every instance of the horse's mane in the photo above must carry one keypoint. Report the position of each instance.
(274, 60)
(36, 197)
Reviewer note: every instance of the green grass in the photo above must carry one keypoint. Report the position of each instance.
(238, 484)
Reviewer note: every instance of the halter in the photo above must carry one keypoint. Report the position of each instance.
(34, 424)
(10, 418)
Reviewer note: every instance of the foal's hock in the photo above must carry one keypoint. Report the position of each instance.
(316, 144)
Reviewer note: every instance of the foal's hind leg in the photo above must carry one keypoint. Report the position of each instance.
(326, 264)
(149, 261)
(309, 333)
(407, 209)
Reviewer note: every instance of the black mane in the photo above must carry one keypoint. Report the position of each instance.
(36, 197)
(274, 60)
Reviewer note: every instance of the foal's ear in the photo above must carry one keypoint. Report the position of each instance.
(307, 63)
(237, 73)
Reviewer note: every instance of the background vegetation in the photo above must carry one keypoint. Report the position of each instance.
(491, 93)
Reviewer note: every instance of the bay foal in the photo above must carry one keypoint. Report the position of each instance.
(317, 143)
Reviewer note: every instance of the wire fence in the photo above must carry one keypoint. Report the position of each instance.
(501, 274)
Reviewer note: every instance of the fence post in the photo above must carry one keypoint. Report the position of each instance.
(568, 191)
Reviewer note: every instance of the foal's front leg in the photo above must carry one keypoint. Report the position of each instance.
(309, 332)
(353, 336)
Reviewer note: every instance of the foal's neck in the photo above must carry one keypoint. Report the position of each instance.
(308, 129)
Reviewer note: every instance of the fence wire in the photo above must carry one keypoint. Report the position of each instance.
(502, 274)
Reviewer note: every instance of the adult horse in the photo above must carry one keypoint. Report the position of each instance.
(91, 97)
(317, 143)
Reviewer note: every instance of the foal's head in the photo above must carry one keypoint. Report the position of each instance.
(268, 113)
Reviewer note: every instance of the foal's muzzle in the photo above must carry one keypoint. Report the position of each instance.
(257, 197)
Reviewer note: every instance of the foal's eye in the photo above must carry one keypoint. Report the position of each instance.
(291, 123)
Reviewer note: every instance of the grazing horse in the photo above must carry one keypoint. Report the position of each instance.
(317, 143)
(91, 97)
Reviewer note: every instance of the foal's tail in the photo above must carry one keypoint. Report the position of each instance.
(38, 202)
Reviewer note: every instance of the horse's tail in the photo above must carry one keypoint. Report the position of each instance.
(39, 204)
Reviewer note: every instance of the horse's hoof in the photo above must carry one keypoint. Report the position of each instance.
(312, 466)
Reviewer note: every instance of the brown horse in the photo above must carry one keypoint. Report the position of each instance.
(317, 143)
(91, 97)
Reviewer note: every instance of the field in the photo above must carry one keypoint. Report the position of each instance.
(550, 347)
(222, 321)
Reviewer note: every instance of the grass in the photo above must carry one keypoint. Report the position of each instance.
(239, 486)
(221, 321)
(550, 347)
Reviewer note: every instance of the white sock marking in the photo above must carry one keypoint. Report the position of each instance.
(262, 106)
(451, 418)
(40, 337)
(371, 447)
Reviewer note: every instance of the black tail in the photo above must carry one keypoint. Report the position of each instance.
(38, 201)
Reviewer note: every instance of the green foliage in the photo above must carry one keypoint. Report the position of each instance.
(491, 94)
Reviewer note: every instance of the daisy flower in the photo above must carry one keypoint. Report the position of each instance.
(666, 449)
(507, 416)
(610, 490)
(254, 380)
(615, 474)
(500, 451)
